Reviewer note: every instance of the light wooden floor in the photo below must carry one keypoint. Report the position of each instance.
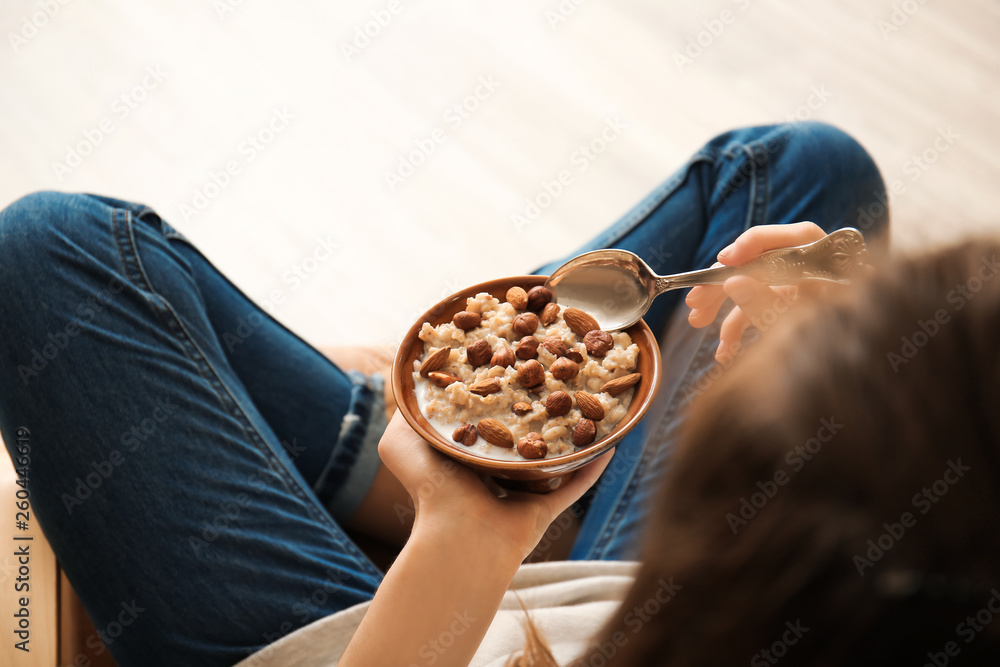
(322, 178)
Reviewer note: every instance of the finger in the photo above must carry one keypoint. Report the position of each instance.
(555, 503)
(730, 334)
(758, 239)
(757, 301)
(706, 311)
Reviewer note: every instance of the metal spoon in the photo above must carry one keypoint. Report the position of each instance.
(617, 288)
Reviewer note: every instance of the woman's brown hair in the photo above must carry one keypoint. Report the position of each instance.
(835, 498)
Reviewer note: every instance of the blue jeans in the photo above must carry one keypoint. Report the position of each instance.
(191, 459)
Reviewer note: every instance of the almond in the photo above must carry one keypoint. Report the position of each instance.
(467, 321)
(584, 433)
(598, 343)
(435, 360)
(521, 408)
(479, 353)
(532, 446)
(495, 433)
(504, 356)
(590, 406)
(539, 297)
(525, 324)
(467, 435)
(618, 385)
(579, 322)
(527, 348)
(555, 345)
(549, 314)
(517, 297)
(442, 379)
(485, 387)
(531, 374)
(558, 403)
(564, 369)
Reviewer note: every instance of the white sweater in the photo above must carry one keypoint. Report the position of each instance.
(569, 601)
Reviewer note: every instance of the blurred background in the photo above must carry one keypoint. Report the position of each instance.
(348, 164)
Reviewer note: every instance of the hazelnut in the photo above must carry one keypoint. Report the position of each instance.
(531, 374)
(549, 314)
(504, 356)
(532, 446)
(575, 355)
(558, 403)
(564, 369)
(584, 433)
(539, 297)
(555, 345)
(467, 435)
(479, 352)
(598, 342)
(521, 408)
(527, 348)
(466, 321)
(525, 324)
(517, 297)
(442, 379)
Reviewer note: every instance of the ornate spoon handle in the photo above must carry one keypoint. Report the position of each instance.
(837, 258)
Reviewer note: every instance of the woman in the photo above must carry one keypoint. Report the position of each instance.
(195, 465)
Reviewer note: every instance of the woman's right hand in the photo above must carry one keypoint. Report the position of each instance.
(753, 299)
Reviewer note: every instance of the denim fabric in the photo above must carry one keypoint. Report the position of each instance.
(178, 434)
(188, 451)
(755, 176)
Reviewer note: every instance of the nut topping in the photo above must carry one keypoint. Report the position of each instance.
(485, 387)
(442, 379)
(558, 403)
(532, 446)
(564, 369)
(575, 355)
(527, 348)
(598, 342)
(583, 433)
(590, 406)
(555, 345)
(525, 324)
(479, 353)
(521, 408)
(504, 356)
(539, 297)
(549, 314)
(495, 433)
(435, 360)
(618, 385)
(467, 321)
(517, 297)
(531, 374)
(579, 322)
(467, 435)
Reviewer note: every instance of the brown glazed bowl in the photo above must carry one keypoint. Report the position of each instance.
(539, 476)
